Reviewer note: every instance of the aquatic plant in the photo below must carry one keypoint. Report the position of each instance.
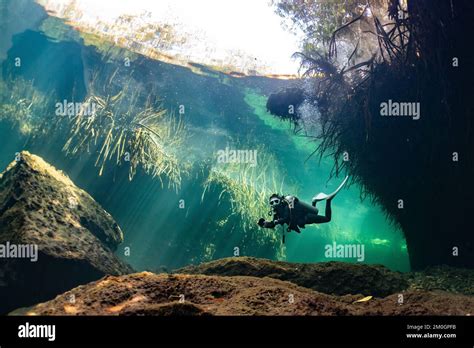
(123, 130)
(22, 105)
(247, 187)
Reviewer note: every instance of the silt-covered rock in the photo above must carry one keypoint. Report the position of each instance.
(41, 209)
(337, 278)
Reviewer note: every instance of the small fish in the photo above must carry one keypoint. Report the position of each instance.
(365, 299)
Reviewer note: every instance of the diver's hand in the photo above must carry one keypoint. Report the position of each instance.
(278, 222)
(261, 222)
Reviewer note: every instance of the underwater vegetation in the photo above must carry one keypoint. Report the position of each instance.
(118, 122)
(21, 104)
(409, 165)
(123, 130)
(247, 187)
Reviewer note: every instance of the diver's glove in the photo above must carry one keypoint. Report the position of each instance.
(261, 222)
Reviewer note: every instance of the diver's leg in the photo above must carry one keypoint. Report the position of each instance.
(328, 211)
(319, 219)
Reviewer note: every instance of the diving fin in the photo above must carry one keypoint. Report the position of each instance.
(322, 196)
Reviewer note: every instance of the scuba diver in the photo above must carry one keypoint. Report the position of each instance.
(295, 213)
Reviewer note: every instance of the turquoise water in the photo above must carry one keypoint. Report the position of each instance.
(165, 227)
(354, 221)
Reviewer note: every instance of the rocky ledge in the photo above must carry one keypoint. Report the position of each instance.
(227, 293)
(328, 277)
(179, 294)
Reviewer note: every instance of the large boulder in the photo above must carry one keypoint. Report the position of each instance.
(65, 236)
(337, 278)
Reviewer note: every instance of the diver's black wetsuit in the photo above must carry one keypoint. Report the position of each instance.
(296, 215)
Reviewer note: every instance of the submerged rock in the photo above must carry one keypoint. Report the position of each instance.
(282, 102)
(444, 278)
(163, 294)
(337, 278)
(169, 294)
(41, 209)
